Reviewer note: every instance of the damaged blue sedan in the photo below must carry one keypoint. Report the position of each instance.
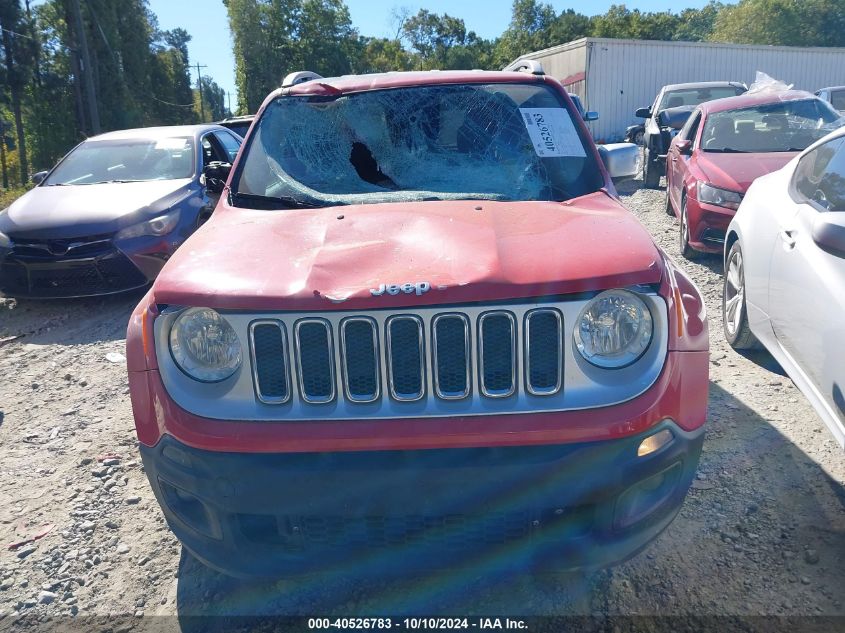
(109, 215)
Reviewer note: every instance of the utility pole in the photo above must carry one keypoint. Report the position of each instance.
(87, 74)
(229, 102)
(199, 85)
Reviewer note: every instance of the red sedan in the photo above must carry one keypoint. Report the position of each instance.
(725, 145)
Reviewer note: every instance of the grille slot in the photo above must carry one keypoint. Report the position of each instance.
(269, 361)
(497, 354)
(315, 360)
(451, 356)
(406, 357)
(544, 346)
(359, 341)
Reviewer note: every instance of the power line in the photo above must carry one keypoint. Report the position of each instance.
(178, 105)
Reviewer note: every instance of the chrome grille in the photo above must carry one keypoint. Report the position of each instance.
(359, 346)
(451, 354)
(406, 351)
(497, 354)
(340, 365)
(544, 342)
(315, 360)
(269, 361)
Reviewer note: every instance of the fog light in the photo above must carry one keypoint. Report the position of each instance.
(654, 442)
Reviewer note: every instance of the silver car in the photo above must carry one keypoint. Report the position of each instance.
(784, 283)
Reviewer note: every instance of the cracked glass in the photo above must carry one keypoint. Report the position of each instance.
(441, 142)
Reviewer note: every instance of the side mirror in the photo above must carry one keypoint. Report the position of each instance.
(215, 175)
(622, 160)
(829, 232)
(591, 115)
(38, 177)
(684, 146)
(643, 113)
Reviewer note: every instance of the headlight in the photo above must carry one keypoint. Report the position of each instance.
(614, 329)
(204, 345)
(719, 197)
(161, 225)
(5, 242)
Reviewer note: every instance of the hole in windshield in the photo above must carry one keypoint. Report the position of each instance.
(485, 141)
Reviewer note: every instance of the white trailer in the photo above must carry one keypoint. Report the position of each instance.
(615, 77)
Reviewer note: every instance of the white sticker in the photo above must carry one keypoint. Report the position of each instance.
(552, 132)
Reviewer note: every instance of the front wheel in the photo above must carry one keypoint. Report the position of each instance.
(686, 250)
(734, 312)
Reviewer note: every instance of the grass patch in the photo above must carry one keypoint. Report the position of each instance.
(8, 196)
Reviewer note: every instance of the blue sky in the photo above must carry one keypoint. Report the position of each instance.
(206, 21)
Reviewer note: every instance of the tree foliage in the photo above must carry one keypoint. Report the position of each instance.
(140, 74)
(782, 22)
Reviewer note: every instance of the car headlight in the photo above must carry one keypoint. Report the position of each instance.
(160, 225)
(5, 242)
(719, 197)
(614, 329)
(204, 345)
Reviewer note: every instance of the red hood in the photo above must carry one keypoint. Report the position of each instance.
(324, 259)
(737, 171)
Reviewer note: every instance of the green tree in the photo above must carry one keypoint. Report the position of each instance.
(19, 52)
(782, 22)
(432, 36)
(696, 25)
(213, 101)
(376, 55)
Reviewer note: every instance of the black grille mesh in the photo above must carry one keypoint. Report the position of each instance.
(497, 343)
(271, 363)
(316, 360)
(360, 360)
(405, 357)
(544, 349)
(451, 355)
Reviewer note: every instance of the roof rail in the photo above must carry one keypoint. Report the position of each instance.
(299, 77)
(525, 66)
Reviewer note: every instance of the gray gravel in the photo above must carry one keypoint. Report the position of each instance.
(762, 531)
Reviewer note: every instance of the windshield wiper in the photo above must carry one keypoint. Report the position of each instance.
(726, 150)
(105, 182)
(279, 202)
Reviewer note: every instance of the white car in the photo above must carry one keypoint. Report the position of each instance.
(784, 283)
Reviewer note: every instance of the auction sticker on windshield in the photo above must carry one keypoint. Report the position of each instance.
(552, 132)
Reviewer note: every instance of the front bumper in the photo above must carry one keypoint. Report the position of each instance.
(708, 225)
(571, 506)
(101, 268)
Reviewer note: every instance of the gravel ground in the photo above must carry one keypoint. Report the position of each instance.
(761, 533)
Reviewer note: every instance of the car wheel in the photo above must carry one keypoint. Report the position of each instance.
(734, 313)
(651, 176)
(638, 137)
(686, 250)
(669, 210)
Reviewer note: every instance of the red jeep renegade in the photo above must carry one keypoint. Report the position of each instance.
(420, 328)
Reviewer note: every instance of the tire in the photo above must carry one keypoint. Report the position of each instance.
(651, 175)
(669, 210)
(734, 311)
(686, 250)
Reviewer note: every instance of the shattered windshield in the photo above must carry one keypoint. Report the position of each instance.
(784, 126)
(476, 141)
(126, 160)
